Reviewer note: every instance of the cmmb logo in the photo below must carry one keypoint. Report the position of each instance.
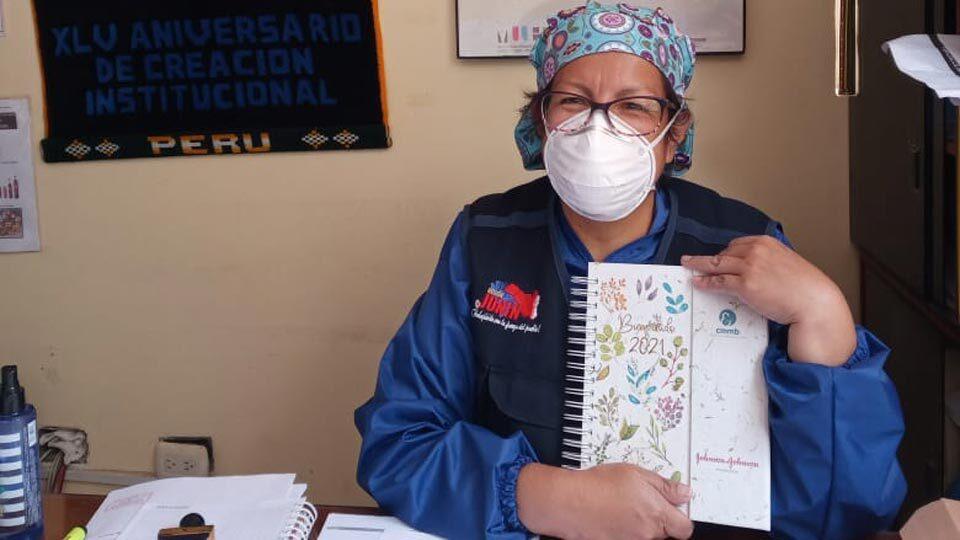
(728, 318)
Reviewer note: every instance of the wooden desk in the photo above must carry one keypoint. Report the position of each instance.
(63, 512)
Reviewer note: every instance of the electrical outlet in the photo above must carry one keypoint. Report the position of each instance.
(181, 459)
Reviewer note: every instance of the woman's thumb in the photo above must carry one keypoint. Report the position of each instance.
(675, 492)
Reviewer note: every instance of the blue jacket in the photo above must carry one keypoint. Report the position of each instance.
(834, 431)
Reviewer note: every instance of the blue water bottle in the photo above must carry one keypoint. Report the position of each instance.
(21, 508)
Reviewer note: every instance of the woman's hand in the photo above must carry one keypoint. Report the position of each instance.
(608, 502)
(784, 287)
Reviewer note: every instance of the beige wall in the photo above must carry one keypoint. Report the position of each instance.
(250, 297)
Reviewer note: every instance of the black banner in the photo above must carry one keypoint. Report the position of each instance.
(129, 79)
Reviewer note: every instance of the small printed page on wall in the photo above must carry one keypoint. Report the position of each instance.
(18, 203)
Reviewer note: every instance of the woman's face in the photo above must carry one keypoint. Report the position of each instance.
(605, 77)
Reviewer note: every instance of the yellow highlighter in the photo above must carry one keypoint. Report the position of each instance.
(76, 533)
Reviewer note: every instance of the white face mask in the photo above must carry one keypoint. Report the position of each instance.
(601, 174)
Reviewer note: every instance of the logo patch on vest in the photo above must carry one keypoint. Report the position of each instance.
(507, 305)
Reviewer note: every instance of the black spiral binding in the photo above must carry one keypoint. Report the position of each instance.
(581, 344)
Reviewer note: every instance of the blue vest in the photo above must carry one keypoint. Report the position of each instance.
(519, 287)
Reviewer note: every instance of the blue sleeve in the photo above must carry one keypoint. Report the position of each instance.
(834, 436)
(421, 458)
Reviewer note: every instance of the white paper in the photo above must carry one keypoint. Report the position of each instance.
(18, 200)
(509, 28)
(238, 489)
(258, 505)
(917, 57)
(116, 513)
(250, 520)
(296, 491)
(354, 527)
(729, 438)
(674, 384)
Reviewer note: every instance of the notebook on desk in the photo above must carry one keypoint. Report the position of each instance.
(353, 527)
(260, 507)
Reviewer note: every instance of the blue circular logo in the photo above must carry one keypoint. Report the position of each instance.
(728, 317)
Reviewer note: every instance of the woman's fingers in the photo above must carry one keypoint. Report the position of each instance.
(722, 263)
(728, 283)
(747, 240)
(676, 525)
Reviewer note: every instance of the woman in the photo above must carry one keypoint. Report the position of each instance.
(459, 440)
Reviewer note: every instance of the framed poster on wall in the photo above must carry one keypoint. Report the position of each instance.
(509, 28)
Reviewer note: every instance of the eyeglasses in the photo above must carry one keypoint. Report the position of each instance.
(643, 115)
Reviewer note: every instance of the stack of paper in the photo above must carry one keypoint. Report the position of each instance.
(255, 507)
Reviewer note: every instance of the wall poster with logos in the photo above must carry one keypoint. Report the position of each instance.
(508, 28)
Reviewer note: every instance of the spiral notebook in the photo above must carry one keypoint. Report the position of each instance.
(670, 378)
(258, 507)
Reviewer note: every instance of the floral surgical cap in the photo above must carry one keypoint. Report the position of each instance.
(595, 28)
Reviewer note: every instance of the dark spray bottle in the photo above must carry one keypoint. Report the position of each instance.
(21, 507)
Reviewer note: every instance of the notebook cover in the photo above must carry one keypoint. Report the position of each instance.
(677, 388)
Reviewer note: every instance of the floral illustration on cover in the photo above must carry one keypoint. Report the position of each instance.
(613, 294)
(640, 370)
(646, 289)
(676, 304)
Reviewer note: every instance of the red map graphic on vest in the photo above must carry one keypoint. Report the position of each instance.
(509, 301)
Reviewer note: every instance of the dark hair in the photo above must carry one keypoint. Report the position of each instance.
(532, 107)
